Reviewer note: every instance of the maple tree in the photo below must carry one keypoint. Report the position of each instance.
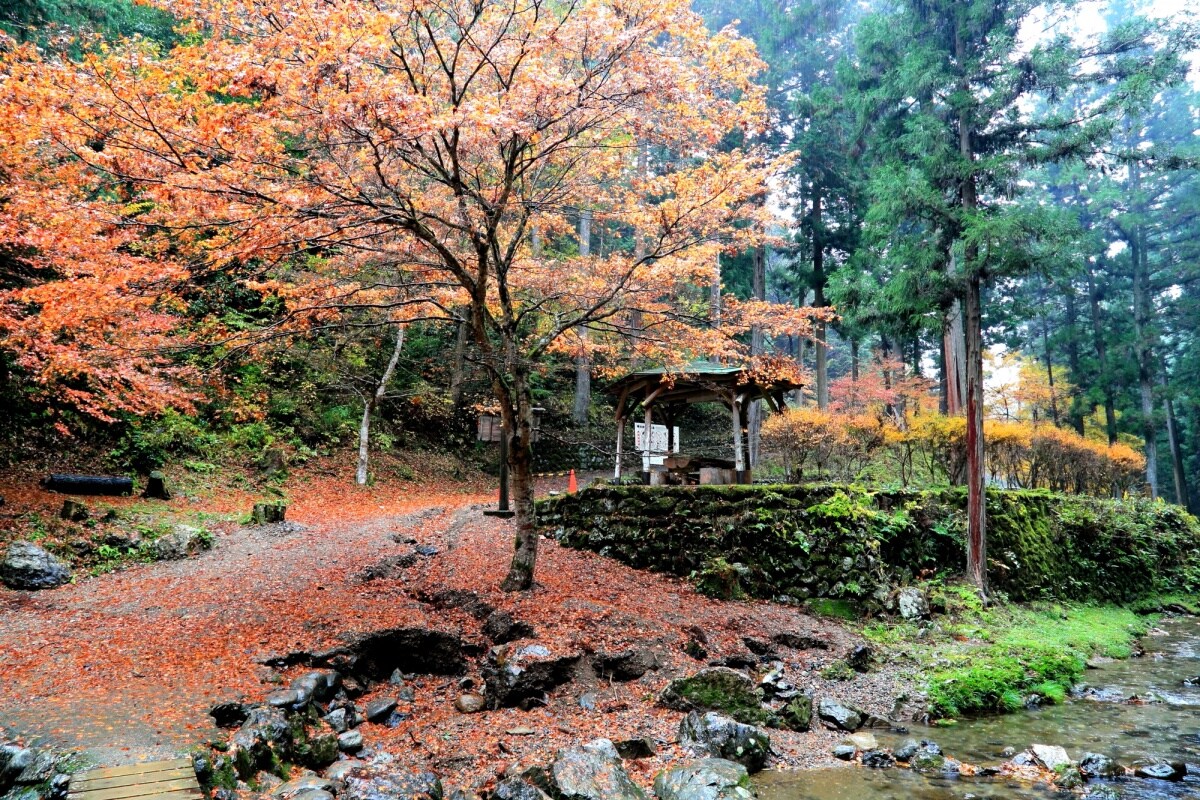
(438, 140)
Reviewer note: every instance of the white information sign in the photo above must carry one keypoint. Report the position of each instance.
(658, 442)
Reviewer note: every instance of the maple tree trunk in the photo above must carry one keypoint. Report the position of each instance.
(459, 376)
(517, 408)
(954, 358)
(369, 406)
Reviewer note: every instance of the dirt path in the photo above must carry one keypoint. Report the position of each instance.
(126, 665)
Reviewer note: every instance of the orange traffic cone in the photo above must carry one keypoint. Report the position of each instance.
(572, 487)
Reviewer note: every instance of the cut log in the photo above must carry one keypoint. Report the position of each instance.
(89, 484)
(156, 487)
(73, 511)
(266, 513)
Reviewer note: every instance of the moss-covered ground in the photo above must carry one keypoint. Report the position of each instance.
(975, 660)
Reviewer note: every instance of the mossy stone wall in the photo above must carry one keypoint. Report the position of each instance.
(852, 543)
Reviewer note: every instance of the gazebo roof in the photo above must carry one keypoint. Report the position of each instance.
(697, 382)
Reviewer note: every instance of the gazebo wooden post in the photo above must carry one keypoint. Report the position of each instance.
(646, 442)
(739, 458)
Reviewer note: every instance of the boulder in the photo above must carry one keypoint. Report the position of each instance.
(839, 717)
(156, 487)
(860, 657)
(797, 714)
(305, 783)
(1098, 765)
(470, 703)
(927, 761)
(911, 603)
(1161, 770)
(591, 773)
(181, 542)
(1050, 756)
(716, 689)
(14, 760)
(636, 748)
(706, 779)
(392, 785)
(800, 641)
(338, 719)
(228, 715)
(517, 789)
(911, 747)
(27, 566)
(73, 511)
(863, 741)
(626, 665)
(264, 734)
(501, 628)
(878, 759)
(845, 752)
(521, 676)
(350, 741)
(319, 685)
(341, 769)
(380, 709)
(721, 737)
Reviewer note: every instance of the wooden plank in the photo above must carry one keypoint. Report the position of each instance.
(178, 794)
(133, 769)
(138, 789)
(113, 782)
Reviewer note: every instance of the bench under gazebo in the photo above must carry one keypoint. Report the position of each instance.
(666, 392)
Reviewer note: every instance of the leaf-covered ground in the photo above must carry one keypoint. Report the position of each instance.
(126, 665)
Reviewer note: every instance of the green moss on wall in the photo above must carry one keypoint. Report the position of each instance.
(855, 544)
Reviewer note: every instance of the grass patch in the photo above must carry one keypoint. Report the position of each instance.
(979, 660)
(838, 609)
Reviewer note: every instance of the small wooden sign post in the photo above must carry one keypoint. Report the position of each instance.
(491, 429)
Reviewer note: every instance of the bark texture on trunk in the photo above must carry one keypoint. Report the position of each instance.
(369, 406)
(583, 366)
(755, 413)
(517, 408)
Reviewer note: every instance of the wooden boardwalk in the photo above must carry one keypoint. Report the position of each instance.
(154, 780)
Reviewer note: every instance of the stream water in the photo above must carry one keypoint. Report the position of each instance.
(1166, 727)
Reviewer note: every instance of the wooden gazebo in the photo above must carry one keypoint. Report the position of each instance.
(669, 391)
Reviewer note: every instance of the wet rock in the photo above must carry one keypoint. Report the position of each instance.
(910, 747)
(319, 685)
(636, 748)
(878, 759)
(1161, 770)
(927, 762)
(1050, 756)
(715, 688)
(264, 737)
(775, 685)
(379, 709)
(706, 779)
(284, 698)
(350, 741)
(228, 715)
(501, 628)
(392, 785)
(747, 661)
(860, 658)
(340, 770)
(845, 752)
(426, 550)
(13, 761)
(521, 676)
(1023, 760)
(837, 716)
(181, 542)
(59, 784)
(1102, 792)
(1097, 765)
(911, 603)
(800, 641)
(721, 737)
(590, 773)
(27, 566)
(517, 789)
(338, 719)
(863, 741)
(470, 703)
(306, 783)
(797, 714)
(627, 665)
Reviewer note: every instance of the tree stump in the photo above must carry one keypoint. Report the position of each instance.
(156, 487)
(73, 511)
(266, 513)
